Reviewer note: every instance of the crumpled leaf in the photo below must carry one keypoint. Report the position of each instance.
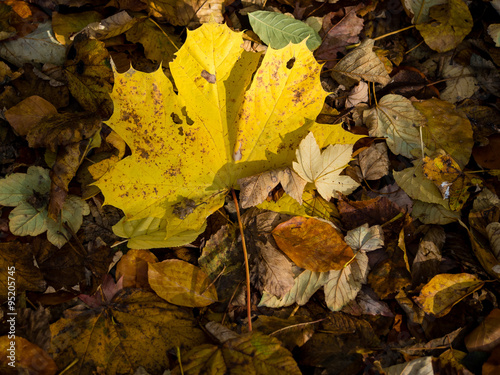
(90, 77)
(339, 30)
(133, 268)
(27, 276)
(443, 291)
(160, 44)
(358, 94)
(395, 118)
(305, 285)
(186, 12)
(114, 336)
(255, 189)
(40, 47)
(104, 294)
(324, 168)
(277, 30)
(361, 64)
(343, 285)
(250, 353)
(313, 244)
(449, 24)
(66, 25)
(216, 132)
(420, 366)
(181, 283)
(374, 161)
(365, 238)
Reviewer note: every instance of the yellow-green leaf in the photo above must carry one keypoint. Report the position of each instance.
(181, 283)
(448, 25)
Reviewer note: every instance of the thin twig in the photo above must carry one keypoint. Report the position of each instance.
(247, 268)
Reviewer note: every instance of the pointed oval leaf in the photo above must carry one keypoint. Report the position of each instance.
(278, 30)
(440, 294)
(312, 244)
(181, 283)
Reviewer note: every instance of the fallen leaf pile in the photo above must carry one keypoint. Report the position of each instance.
(261, 187)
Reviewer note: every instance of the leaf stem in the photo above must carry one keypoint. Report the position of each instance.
(383, 36)
(247, 268)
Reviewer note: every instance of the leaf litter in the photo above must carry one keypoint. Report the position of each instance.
(360, 146)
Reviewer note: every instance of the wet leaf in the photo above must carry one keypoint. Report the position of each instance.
(278, 30)
(443, 291)
(133, 267)
(181, 283)
(313, 244)
(324, 168)
(361, 64)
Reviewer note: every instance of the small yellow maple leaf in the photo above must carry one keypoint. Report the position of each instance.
(192, 146)
(323, 168)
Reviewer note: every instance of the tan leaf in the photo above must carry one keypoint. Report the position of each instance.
(343, 285)
(486, 336)
(187, 12)
(255, 189)
(374, 161)
(361, 64)
(26, 115)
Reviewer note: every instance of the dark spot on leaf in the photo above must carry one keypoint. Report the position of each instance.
(209, 77)
(188, 119)
(80, 67)
(181, 131)
(290, 63)
(175, 118)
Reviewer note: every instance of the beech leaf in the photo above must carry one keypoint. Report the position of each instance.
(181, 283)
(278, 30)
(443, 291)
(313, 244)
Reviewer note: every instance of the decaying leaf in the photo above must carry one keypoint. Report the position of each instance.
(186, 12)
(29, 357)
(114, 335)
(487, 335)
(362, 63)
(374, 162)
(443, 291)
(133, 268)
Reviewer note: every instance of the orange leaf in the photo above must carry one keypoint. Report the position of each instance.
(313, 244)
(133, 266)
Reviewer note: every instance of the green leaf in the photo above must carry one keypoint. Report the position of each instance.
(25, 220)
(278, 30)
(18, 187)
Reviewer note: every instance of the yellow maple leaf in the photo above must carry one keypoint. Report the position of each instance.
(190, 147)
